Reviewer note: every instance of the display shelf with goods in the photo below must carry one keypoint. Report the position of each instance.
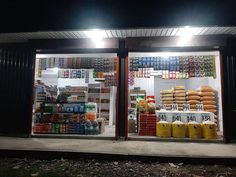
(77, 103)
(186, 88)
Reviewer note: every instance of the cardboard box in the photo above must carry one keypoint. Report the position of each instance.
(132, 126)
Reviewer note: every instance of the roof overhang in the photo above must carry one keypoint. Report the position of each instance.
(117, 33)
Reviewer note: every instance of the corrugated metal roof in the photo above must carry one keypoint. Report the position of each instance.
(117, 33)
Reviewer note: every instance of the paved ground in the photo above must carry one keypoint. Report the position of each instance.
(146, 148)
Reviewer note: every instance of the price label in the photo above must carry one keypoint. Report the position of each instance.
(191, 117)
(176, 116)
(205, 117)
(161, 116)
(162, 106)
(199, 107)
(186, 107)
(174, 107)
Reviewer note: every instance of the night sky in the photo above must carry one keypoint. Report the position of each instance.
(17, 16)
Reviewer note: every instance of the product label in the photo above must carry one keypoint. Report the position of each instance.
(199, 107)
(186, 107)
(176, 116)
(174, 107)
(162, 106)
(205, 117)
(191, 117)
(161, 116)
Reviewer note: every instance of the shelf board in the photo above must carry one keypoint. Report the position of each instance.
(62, 113)
(64, 102)
(104, 113)
(99, 79)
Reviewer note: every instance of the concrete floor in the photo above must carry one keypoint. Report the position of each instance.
(146, 148)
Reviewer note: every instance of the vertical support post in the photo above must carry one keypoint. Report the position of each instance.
(122, 92)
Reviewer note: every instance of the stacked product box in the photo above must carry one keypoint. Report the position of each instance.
(147, 125)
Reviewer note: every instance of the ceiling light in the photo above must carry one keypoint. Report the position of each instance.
(97, 37)
(185, 35)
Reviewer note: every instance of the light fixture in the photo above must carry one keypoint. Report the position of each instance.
(185, 34)
(97, 37)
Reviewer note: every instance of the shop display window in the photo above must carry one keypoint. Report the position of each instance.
(175, 94)
(75, 94)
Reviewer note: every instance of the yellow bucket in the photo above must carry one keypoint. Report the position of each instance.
(209, 130)
(178, 129)
(195, 130)
(163, 129)
(187, 130)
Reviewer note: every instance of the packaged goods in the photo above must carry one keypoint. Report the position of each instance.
(206, 106)
(206, 89)
(179, 91)
(209, 102)
(150, 99)
(194, 130)
(147, 125)
(207, 93)
(179, 94)
(166, 95)
(180, 98)
(194, 102)
(192, 106)
(167, 99)
(209, 130)
(166, 91)
(91, 107)
(192, 92)
(208, 98)
(210, 110)
(166, 102)
(178, 129)
(90, 116)
(142, 106)
(151, 108)
(163, 129)
(132, 128)
(178, 87)
(180, 101)
(193, 97)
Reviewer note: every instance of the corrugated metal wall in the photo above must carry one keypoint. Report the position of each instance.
(229, 63)
(16, 83)
(229, 89)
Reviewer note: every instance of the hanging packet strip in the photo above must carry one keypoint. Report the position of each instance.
(86, 76)
(69, 62)
(61, 63)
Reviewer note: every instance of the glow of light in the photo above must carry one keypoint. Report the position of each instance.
(97, 37)
(185, 34)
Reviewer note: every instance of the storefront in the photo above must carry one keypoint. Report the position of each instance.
(130, 87)
(175, 94)
(75, 94)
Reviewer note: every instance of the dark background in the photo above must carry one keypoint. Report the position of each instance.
(18, 16)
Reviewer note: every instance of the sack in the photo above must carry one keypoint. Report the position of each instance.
(193, 97)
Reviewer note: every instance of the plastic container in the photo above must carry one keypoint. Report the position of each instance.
(194, 130)
(90, 116)
(163, 129)
(209, 130)
(178, 129)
